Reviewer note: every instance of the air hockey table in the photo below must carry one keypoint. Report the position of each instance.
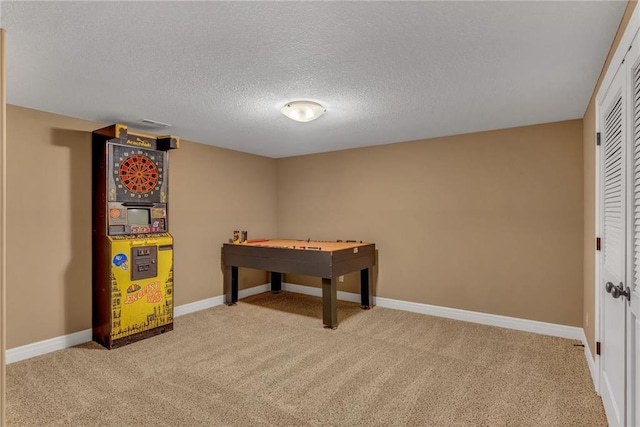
(328, 260)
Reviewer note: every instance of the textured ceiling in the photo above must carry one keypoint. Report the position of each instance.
(385, 71)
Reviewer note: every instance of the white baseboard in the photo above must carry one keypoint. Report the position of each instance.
(254, 291)
(317, 292)
(215, 301)
(543, 328)
(552, 329)
(47, 346)
(42, 347)
(203, 304)
(59, 343)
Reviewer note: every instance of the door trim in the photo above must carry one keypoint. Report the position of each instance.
(621, 50)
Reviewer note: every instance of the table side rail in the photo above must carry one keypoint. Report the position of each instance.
(347, 261)
(305, 262)
(351, 265)
(345, 254)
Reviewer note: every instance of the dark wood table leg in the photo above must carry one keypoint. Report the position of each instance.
(330, 303)
(366, 288)
(230, 285)
(276, 282)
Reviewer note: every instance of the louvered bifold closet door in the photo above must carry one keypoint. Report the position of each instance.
(613, 217)
(613, 189)
(633, 321)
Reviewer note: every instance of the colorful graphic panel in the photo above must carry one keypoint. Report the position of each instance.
(144, 303)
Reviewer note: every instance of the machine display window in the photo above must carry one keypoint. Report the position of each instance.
(139, 216)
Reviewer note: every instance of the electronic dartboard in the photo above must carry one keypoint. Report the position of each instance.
(132, 247)
(137, 174)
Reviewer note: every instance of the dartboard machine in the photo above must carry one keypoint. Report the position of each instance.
(132, 247)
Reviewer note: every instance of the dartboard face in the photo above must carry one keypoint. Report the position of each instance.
(137, 174)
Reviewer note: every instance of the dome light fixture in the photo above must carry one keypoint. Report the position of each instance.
(303, 111)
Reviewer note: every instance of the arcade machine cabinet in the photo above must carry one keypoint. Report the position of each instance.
(132, 247)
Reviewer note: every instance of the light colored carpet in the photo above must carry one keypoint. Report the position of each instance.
(269, 362)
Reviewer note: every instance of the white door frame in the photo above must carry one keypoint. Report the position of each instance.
(3, 223)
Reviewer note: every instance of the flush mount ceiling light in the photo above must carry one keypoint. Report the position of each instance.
(303, 111)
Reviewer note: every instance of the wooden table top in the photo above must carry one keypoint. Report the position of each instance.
(303, 244)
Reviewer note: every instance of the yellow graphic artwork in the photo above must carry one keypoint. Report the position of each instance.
(141, 304)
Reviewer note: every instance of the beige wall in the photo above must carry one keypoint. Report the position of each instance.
(484, 222)
(213, 191)
(48, 226)
(489, 222)
(589, 123)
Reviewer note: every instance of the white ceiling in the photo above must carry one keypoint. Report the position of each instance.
(385, 71)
